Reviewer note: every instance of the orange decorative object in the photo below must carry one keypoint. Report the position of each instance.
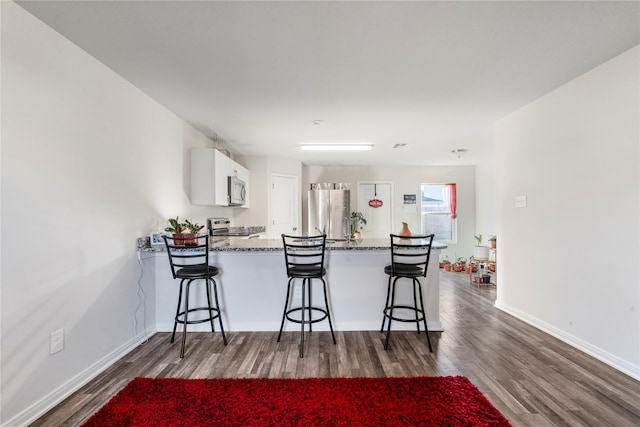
(405, 230)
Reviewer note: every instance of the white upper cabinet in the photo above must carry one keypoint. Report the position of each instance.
(210, 171)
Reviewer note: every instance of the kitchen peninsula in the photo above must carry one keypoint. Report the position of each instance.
(252, 285)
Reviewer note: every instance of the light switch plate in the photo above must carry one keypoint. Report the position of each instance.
(521, 201)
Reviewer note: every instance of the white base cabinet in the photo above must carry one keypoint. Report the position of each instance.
(210, 170)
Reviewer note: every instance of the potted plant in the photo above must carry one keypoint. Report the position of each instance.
(178, 229)
(357, 221)
(193, 229)
(446, 263)
(492, 239)
(175, 226)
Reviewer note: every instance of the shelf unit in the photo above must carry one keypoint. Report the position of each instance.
(483, 264)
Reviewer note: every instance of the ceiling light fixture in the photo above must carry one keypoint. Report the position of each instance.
(318, 122)
(400, 145)
(336, 147)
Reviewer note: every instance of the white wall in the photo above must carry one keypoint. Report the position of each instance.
(407, 180)
(486, 199)
(260, 170)
(88, 164)
(568, 262)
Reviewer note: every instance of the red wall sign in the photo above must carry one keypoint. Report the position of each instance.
(375, 203)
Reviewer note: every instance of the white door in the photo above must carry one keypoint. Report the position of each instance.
(375, 201)
(284, 205)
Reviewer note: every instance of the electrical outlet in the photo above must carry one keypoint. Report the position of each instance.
(521, 201)
(297, 292)
(56, 342)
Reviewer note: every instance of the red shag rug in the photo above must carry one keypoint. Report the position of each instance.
(414, 401)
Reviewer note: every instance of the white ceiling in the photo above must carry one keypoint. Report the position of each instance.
(433, 75)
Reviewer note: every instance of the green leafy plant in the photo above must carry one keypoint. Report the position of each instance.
(193, 227)
(492, 238)
(357, 221)
(478, 238)
(175, 226)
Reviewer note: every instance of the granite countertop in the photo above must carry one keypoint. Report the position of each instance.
(240, 244)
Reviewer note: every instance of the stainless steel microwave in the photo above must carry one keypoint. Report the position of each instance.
(237, 191)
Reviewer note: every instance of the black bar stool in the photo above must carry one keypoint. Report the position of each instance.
(304, 258)
(409, 260)
(189, 260)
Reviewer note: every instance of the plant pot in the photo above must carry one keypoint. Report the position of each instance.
(467, 270)
(178, 242)
(477, 279)
(457, 268)
(190, 239)
(481, 252)
(442, 265)
(486, 278)
(493, 244)
(447, 267)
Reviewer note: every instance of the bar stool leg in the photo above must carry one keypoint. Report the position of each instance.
(424, 317)
(175, 321)
(211, 312)
(286, 306)
(393, 300)
(215, 295)
(326, 304)
(415, 304)
(309, 305)
(304, 281)
(186, 318)
(386, 304)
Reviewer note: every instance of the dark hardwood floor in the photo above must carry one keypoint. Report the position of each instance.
(531, 377)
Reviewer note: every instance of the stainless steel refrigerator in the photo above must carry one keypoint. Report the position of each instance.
(330, 210)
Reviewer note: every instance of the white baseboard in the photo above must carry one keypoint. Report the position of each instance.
(290, 326)
(600, 354)
(48, 402)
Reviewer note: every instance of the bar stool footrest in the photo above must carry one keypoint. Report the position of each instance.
(307, 309)
(387, 310)
(214, 313)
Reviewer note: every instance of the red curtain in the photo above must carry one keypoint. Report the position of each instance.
(452, 199)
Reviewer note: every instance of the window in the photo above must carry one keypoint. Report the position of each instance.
(438, 207)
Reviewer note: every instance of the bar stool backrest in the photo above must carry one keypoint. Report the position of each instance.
(190, 252)
(304, 255)
(410, 254)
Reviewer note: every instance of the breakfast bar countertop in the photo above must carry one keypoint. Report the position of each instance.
(240, 244)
